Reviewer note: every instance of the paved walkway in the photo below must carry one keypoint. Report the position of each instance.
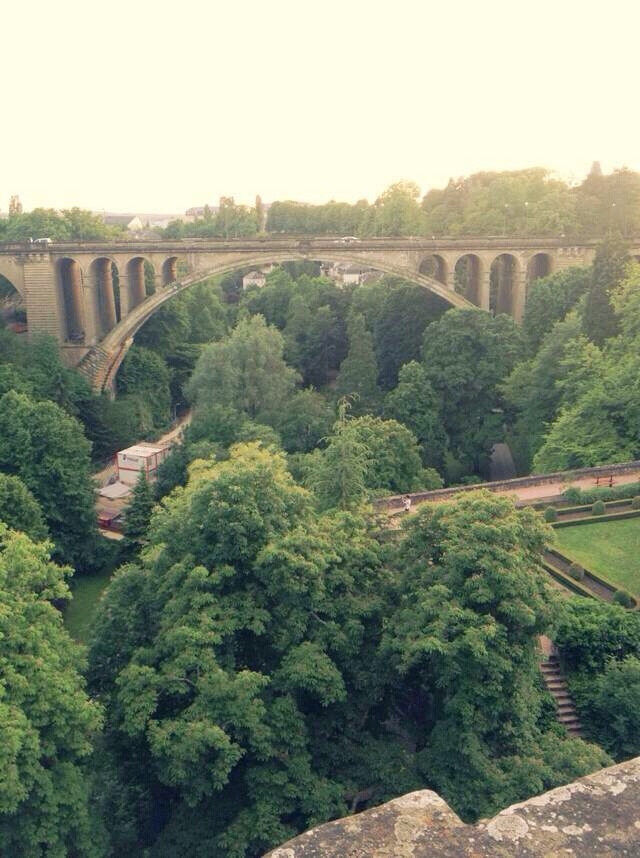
(549, 490)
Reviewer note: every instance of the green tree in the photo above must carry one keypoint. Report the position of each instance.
(415, 403)
(405, 315)
(393, 460)
(471, 604)
(138, 513)
(607, 273)
(245, 371)
(272, 301)
(610, 706)
(467, 354)
(306, 419)
(397, 211)
(549, 299)
(167, 329)
(324, 347)
(517, 202)
(229, 697)
(144, 373)
(358, 371)
(589, 634)
(47, 450)
(537, 389)
(19, 510)
(337, 475)
(47, 722)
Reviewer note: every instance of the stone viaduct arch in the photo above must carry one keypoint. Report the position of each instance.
(93, 297)
(101, 364)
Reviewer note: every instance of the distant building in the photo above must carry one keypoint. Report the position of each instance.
(128, 221)
(254, 278)
(141, 458)
(347, 274)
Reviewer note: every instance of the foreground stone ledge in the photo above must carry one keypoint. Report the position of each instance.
(598, 815)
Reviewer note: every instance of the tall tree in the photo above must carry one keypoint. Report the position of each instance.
(415, 403)
(138, 513)
(405, 314)
(358, 371)
(549, 299)
(230, 698)
(607, 273)
(144, 373)
(46, 448)
(467, 354)
(19, 510)
(472, 602)
(47, 721)
(246, 372)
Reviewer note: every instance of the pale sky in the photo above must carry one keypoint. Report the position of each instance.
(156, 106)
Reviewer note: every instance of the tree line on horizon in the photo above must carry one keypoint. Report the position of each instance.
(528, 202)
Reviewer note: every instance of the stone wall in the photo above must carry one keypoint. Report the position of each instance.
(396, 501)
(595, 817)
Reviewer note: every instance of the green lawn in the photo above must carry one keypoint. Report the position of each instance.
(79, 613)
(610, 548)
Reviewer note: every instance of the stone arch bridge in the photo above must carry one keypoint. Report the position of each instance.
(69, 288)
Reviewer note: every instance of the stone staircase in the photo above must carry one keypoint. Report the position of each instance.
(557, 687)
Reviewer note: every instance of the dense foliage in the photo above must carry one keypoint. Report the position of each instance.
(600, 645)
(47, 722)
(518, 202)
(252, 688)
(272, 654)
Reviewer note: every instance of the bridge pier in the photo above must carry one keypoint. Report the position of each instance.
(135, 283)
(88, 302)
(485, 288)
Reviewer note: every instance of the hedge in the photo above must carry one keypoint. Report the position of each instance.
(612, 516)
(588, 496)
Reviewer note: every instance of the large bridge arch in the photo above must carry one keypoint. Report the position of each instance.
(101, 363)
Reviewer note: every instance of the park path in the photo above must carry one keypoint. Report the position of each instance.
(549, 490)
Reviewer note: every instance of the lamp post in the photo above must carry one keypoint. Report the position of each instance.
(526, 217)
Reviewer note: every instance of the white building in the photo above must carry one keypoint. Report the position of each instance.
(254, 278)
(141, 458)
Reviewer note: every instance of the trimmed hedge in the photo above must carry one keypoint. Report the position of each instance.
(626, 600)
(576, 572)
(598, 508)
(568, 582)
(576, 495)
(612, 516)
(595, 576)
(551, 514)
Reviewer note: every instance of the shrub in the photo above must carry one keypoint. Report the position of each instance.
(551, 514)
(576, 572)
(635, 502)
(603, 493)
(572, 494)
(621, 597)
(598, 508)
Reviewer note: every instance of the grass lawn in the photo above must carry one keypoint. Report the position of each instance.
(78, 615)
(611, 548)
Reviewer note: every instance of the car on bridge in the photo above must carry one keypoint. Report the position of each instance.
(348, 239)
